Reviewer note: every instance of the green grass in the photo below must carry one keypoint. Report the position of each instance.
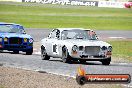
(33, 15)
(122, 49)
(2, 86)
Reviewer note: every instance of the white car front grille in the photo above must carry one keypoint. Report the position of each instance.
(92, 50)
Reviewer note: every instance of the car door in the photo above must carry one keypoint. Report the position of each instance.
(53, 43)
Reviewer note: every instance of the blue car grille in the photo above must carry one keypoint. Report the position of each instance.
(15, 40)
(13, 47)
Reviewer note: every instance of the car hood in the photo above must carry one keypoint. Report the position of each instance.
(8, 35)
(87, 42)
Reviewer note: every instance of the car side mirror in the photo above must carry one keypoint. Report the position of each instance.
(49, 36)
(23, 31)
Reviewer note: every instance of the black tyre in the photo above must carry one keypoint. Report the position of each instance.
(81, 80)
(29, 52)
(44, 55)
(1, 51)
(16, 52)
(106, 61)
(65, 56)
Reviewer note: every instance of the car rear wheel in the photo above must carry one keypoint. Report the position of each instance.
(44, 55)
(106, 61)
(65, 56)
(16, 52)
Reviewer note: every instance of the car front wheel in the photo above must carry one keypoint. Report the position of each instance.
(106, 61)
(44, 55)
(65, 56)
(29, 52)
(16, 52)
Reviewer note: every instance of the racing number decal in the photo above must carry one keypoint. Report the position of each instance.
(55, 49)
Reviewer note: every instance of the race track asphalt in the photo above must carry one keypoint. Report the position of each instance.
(39, 34)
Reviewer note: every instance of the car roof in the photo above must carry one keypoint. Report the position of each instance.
(62, 29)
(4, 23)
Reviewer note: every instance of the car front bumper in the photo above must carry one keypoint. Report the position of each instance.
(84, 56)
(18, 47)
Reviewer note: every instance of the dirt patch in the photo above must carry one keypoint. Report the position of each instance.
(18, 78)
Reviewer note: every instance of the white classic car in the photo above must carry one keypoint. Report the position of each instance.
(75, 44)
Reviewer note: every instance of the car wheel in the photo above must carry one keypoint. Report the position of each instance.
(65, 56)
(82, 61)
(29, 52)
(44, 55)
(81, 80)
(106, 61)
(16, 52)
(1, 51)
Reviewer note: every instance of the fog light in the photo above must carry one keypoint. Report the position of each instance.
(108, 53)
(25, 39)
(5, 39)
(74, 53)
(0, 46)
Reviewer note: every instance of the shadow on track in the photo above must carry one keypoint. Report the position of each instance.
(77, 62)
(11, 52)
(95, 63)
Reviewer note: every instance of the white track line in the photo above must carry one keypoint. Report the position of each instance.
(117, 37)
(38, 53)
(128, 86)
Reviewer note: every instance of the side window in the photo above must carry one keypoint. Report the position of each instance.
(55, 34)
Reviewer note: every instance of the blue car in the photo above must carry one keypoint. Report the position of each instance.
(13, 38)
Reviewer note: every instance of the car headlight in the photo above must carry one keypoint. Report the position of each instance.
(30, 40)
(110, 48)
(104, 48)
(74, 48)
(5, 39)
(0, 39)
(25, 39)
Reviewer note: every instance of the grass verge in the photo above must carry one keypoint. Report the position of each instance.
(122, 49)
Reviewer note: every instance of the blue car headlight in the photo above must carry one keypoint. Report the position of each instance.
(5, 39)
(30, 40)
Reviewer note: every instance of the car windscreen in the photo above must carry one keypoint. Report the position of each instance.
(11, 29)
(78, 34)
